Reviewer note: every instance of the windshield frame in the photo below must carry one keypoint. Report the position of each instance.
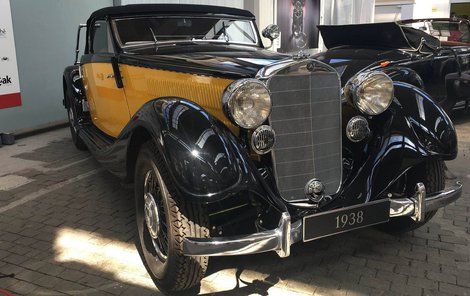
(252, 22)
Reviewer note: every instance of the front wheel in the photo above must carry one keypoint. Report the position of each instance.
(432, 175)
(163, 220)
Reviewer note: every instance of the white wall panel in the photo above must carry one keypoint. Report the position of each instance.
(228, 3)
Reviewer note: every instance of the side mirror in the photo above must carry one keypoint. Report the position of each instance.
(271, 32)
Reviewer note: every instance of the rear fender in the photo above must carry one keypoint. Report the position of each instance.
(72, 85)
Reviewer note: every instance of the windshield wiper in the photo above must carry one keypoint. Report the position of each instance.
(154, 39)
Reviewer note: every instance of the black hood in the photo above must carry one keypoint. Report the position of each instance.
(348, 61)
(222, 60)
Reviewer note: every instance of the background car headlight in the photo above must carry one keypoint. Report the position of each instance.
(371, 92)
(247, 103)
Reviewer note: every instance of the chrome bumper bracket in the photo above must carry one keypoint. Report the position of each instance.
(417, 206)
(419, 203)
(278, 240)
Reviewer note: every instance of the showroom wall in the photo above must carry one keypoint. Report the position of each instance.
(392, 10)
(45, 33)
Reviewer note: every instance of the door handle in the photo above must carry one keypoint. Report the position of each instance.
(110, 76)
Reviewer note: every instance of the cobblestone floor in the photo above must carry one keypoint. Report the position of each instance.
(66, 227)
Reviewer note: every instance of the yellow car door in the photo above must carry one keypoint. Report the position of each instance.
(107, 100)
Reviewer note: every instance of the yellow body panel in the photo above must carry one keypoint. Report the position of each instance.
(108, 105)
(143, 84)
(111, 108)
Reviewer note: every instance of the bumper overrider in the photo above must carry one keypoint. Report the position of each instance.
(288, 232)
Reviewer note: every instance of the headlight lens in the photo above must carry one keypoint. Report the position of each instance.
(371, 92)
(247, 102)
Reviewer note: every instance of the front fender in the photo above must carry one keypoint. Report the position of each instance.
(206, 161)
(413, 130)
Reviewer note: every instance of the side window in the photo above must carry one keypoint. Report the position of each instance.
(102, 42)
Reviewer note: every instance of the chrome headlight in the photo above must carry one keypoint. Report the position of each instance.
(247, 103)
(371, 92)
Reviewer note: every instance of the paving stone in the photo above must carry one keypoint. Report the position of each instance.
(375, 283)
(453, 289)
(23, 288)
(442, 277)
(406, 289)
(72, 275)
(14, 259)
(51, 269)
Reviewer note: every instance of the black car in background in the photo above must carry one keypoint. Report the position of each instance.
(431, 54)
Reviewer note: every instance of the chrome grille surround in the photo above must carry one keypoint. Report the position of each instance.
(306, 116)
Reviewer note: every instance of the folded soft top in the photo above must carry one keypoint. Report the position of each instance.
(379, 35)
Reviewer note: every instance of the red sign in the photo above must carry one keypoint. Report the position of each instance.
(10, 100)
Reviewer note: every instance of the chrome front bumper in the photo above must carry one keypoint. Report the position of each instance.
(287, 233)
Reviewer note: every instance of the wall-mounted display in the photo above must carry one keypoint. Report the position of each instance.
(10, 95)
(298, 20)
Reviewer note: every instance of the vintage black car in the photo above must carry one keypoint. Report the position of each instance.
(234, 149)
(432, 54)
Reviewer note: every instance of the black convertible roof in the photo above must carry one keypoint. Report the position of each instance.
(142, 9)
(383, 35)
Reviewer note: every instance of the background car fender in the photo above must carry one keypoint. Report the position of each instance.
(431, 125)
(404, 74)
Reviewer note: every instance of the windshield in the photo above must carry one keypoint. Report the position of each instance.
(173, 29)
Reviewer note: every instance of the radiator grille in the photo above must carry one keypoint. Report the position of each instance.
(306, 117)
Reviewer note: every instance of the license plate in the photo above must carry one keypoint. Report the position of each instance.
(346, 219)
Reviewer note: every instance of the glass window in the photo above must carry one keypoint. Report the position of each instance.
(445, 30)
(159, 29)
(101, 38)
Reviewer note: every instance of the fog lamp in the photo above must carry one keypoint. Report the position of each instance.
(263, 139)
(357, 129)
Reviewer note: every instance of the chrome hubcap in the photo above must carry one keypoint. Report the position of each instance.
(154, 213)
(151, 215)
